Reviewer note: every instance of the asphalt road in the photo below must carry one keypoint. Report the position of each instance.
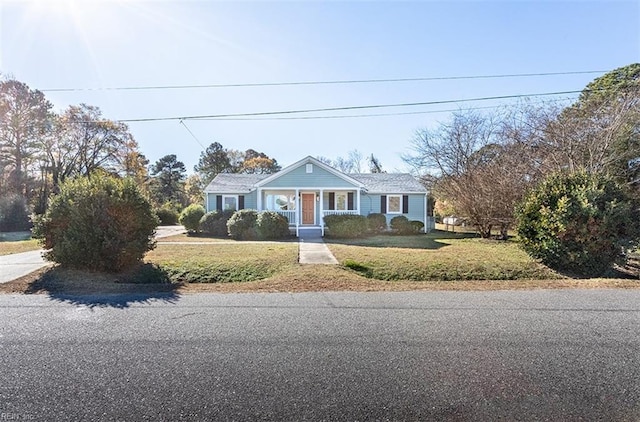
(537, 355)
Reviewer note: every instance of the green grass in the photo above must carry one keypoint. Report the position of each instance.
(438, 256)
(219, 263)
(18, 246)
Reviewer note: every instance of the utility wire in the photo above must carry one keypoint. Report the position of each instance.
(362, 107)
(351, 116)
(194, 136)
(335, 82)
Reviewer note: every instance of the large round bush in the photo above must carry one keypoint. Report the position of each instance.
(242, 225)
(578, 223)
(214, 223)
(190, 217)
(98, 223)
(401, 225)
(271, 225)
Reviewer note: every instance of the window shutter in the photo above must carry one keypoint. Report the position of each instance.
(383, 204)
(241, 202)
(332, 200)
(218, 202)
(350, 201)
(405, 204)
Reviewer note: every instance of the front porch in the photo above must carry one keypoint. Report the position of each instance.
(305, 208)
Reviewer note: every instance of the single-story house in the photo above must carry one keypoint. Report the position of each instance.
(308, 190)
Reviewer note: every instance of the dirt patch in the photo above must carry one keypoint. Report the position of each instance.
(303, 278)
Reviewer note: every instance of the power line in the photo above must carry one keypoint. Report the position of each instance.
(194, 136)
(334, 82)
(361, 107)
(351, 116)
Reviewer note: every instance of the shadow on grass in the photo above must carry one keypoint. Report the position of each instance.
(145, 284)
(419, 241)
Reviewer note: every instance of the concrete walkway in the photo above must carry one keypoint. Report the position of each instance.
(312, 249)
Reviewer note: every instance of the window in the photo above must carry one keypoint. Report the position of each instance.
(394, 204)
(309, 168)
(341, 201)
(229, 203)
(280, 202)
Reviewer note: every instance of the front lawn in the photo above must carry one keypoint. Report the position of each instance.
(224, 262)
(437, 256)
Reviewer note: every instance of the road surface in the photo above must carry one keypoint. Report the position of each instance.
(529, 355)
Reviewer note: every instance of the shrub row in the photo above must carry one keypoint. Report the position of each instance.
(241, 225)
(352, 226)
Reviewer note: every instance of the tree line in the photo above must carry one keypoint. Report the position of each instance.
(481, 165)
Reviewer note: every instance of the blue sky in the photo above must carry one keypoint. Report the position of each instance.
(102, 44)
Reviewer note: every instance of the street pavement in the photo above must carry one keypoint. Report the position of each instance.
(20, 264)
(559, 355)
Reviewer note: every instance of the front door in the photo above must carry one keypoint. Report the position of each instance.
(308, 208)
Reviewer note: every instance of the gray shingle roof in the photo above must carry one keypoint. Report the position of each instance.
(389, 182)
(373, 182)
(234, 182)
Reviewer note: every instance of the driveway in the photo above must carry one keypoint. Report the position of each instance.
(17, 265)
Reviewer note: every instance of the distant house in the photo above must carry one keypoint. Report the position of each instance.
(308, 190)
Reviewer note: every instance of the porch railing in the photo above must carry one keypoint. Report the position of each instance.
(290, 215)
(339, 212)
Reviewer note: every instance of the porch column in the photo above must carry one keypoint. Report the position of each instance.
(259, 199)
(297, 212)
(321, 212)
(358, 201)
(426, 213)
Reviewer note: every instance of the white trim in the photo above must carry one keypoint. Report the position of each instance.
(321, 212)
(424, 229)
(310, 160)
(394, 212)
(259, 199)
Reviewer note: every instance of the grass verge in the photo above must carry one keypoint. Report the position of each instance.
(18, 246)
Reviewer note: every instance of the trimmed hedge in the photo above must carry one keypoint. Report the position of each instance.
(167, 216)
(214, 223)
(401, 225)
(242, 225)
(377, 222)
(190, 217)
(271, 225)
(347, 225)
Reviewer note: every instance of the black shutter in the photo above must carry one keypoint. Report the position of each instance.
(350, 201)
(241, 202)
(405, 204)
(218, 202)
(332, 200)
(383, 204)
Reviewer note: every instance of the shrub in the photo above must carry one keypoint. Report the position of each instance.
(271, 225)
(190, 217)
(417, 226)
(579, 223)
(167, 216)
(347, 225)
(214, 223)
(98, 223)
(14, 215)
(377, 222)
(401, 225)
(242, 225)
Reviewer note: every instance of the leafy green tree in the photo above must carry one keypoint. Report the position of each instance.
(213, 160)
(581, 223)
(98, 223)
(167, 184)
